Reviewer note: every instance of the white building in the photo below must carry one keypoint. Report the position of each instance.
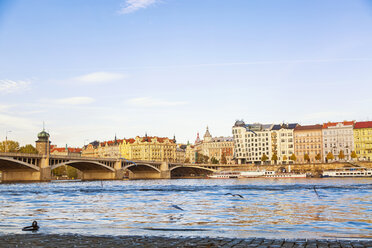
(251, 142)
(283, 142)
(338, 136)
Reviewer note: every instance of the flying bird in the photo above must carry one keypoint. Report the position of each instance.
(234, 195)
(177, 207)
(316, 192)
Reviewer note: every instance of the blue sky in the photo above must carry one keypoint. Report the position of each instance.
(91, 69)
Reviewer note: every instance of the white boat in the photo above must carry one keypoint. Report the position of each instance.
(273, 174)
(225, 175)
(348, 172)
(252, 174)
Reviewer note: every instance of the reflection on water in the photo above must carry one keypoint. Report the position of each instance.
(286, 208)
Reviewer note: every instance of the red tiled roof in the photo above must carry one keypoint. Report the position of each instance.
(308, 127)
(332, 124)
(159, 139)
(63, 149)
(363, 124)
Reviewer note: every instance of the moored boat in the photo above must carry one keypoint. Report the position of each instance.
(273, 174)
(225, 175)
(252, 174)
(348, 172)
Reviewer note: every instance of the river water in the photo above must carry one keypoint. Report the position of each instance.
(270, 208)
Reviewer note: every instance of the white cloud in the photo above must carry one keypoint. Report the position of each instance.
(11, 86)
(134, 5)
(74, 100)
(4, 108)
(151, 102)
(100, 77)
(15, 122)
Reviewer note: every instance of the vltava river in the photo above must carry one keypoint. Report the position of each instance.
(284, 208)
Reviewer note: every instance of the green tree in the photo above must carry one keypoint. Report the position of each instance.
(223, 159)
(307, 157)
(205, 159)
(214, 160)
(274, 158)
(60, 171)
(353, 155)
(71, 172)
(264, 158)
(293, 157)
(9, 146)
(341, 155)
(28, 149)
(330, 156)
(318, 157)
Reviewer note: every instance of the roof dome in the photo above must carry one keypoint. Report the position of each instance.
(43, 135)
(239, 124)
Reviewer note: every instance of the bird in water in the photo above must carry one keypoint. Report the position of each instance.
(33, 227)
(177, 207)
(234, 195)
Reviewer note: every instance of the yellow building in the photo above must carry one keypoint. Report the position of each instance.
(363, 140)
(149, 149)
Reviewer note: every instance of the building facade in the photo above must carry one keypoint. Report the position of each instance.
(252, 142)
(149, 149)
(363, 140)
(65, 151)
(337, 137)
(283, 142)
(308, 140)
(220, 149)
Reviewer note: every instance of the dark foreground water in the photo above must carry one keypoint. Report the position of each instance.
(285, 208)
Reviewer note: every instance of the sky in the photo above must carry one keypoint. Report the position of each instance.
(93, 69)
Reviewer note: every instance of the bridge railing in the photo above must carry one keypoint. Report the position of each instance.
(82, 158)
(17, 154)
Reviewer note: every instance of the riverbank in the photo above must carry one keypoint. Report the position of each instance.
(54, 240)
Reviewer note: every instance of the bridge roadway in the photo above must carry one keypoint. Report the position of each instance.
(35, 167)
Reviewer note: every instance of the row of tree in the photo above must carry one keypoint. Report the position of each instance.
(318, 157)
(13, 146)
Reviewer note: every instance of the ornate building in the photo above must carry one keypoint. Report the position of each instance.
(217, 148)
(181, 153)
(308, 140)
(363, 140)
(105, 149)
(149, 149)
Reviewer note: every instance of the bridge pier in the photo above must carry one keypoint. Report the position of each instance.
(45, 169)
(164, 171)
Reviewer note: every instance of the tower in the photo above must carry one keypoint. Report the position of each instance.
(43, 143)
(207, 136)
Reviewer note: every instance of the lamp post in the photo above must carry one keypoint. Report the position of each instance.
(6, 139)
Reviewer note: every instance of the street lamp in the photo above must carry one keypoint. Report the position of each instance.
(6, 139)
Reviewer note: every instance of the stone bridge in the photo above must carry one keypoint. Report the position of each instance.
(37, 167)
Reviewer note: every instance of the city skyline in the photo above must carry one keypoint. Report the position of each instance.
(93, 70)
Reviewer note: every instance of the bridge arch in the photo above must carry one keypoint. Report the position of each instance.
(191, 171)
(193, 167)
(84, 165)
(141, 167)
(14, 164)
